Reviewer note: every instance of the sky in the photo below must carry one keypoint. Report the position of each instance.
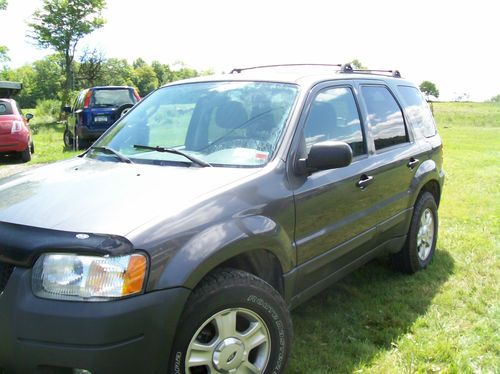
(454, 44)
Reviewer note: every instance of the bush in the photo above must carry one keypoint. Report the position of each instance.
(48, 111)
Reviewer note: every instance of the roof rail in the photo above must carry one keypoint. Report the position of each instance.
(239, 70)
(347, 68)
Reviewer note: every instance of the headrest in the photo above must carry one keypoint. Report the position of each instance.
(231, 115)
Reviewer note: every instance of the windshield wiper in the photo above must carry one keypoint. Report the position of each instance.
(193, 159)
(118, 155)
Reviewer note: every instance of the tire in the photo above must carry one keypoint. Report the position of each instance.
(228, 311)
(121, 111)
(32, 147)
(420, 244)
(68, 139)
(26, 154)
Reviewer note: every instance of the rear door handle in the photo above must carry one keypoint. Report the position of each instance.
(413, 162)
(365, 181)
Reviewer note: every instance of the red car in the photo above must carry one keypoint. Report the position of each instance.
(15, 134)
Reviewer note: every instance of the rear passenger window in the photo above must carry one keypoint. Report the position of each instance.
(334, 116)
(385, 117)
(418, 111)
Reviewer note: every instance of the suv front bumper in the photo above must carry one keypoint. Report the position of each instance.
(132, 335)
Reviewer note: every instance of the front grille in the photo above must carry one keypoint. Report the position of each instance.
(5, 272)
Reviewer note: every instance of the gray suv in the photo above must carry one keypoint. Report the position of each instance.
(180, 241)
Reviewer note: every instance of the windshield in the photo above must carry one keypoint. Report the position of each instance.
(220, 123)
(113, 97)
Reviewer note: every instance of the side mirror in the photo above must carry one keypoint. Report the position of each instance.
(67, 109)
(29, 116)
(324, 156)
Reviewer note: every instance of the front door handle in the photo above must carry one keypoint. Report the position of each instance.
(364, 181)
(413, 162)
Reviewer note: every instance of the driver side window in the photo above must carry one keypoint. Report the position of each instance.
(334, 116)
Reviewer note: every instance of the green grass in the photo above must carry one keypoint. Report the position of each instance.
(445, 319)
(49, 146)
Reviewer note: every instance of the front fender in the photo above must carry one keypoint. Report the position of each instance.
(223, 241)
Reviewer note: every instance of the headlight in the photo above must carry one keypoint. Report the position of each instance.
(88, 278)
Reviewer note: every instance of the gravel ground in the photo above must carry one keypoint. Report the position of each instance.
(9, 168)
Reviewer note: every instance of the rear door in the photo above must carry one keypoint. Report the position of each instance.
(394, 156)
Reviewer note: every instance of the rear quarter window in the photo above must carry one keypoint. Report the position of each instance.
(418, 111)
(385, 117)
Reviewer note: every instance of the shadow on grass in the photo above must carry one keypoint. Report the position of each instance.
(365, 313)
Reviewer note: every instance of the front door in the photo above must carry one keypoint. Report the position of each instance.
(335, 209)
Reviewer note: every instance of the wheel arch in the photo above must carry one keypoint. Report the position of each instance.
(255, 244)
(427, 179)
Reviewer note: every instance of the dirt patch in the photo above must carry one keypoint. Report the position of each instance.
(9, 169)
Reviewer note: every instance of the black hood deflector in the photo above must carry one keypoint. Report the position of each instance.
(21, 245)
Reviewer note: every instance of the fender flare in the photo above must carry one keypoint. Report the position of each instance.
(221, 242)
(426, 172)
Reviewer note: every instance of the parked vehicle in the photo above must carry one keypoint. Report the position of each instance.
(179, 242)
(15, 133)
(94, 111)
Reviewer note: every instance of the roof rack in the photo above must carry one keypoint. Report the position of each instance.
(239, 70)
(347, 68)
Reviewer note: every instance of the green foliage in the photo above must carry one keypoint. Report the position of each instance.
(145, 79)
(429, 89)
(495, 99)
(90, 68)
(356, 64)
(48, 110)
(117, 72)
(3, 54)
(444, 319)
(45, 79)
(61, 24)
(3, 4)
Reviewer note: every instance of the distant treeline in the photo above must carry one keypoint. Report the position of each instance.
(44, 79)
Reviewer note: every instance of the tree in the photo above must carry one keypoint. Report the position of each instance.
(49, 79)
(90, 68)
(3, 54)
(3, 49)
(429, 89)
(117, 72)
(61, 24)
(145, 79)
(495, 99)
(356, 64)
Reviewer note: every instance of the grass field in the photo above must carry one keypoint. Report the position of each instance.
(445, 319)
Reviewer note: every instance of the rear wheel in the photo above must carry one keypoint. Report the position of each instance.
(26, 155)
(235, 323)
(420, 245)
(68, 139)
(32, 147)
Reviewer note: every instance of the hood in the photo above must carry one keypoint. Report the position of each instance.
(91, 196)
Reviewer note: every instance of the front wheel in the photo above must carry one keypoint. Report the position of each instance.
(420, 245)
(234, 322)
